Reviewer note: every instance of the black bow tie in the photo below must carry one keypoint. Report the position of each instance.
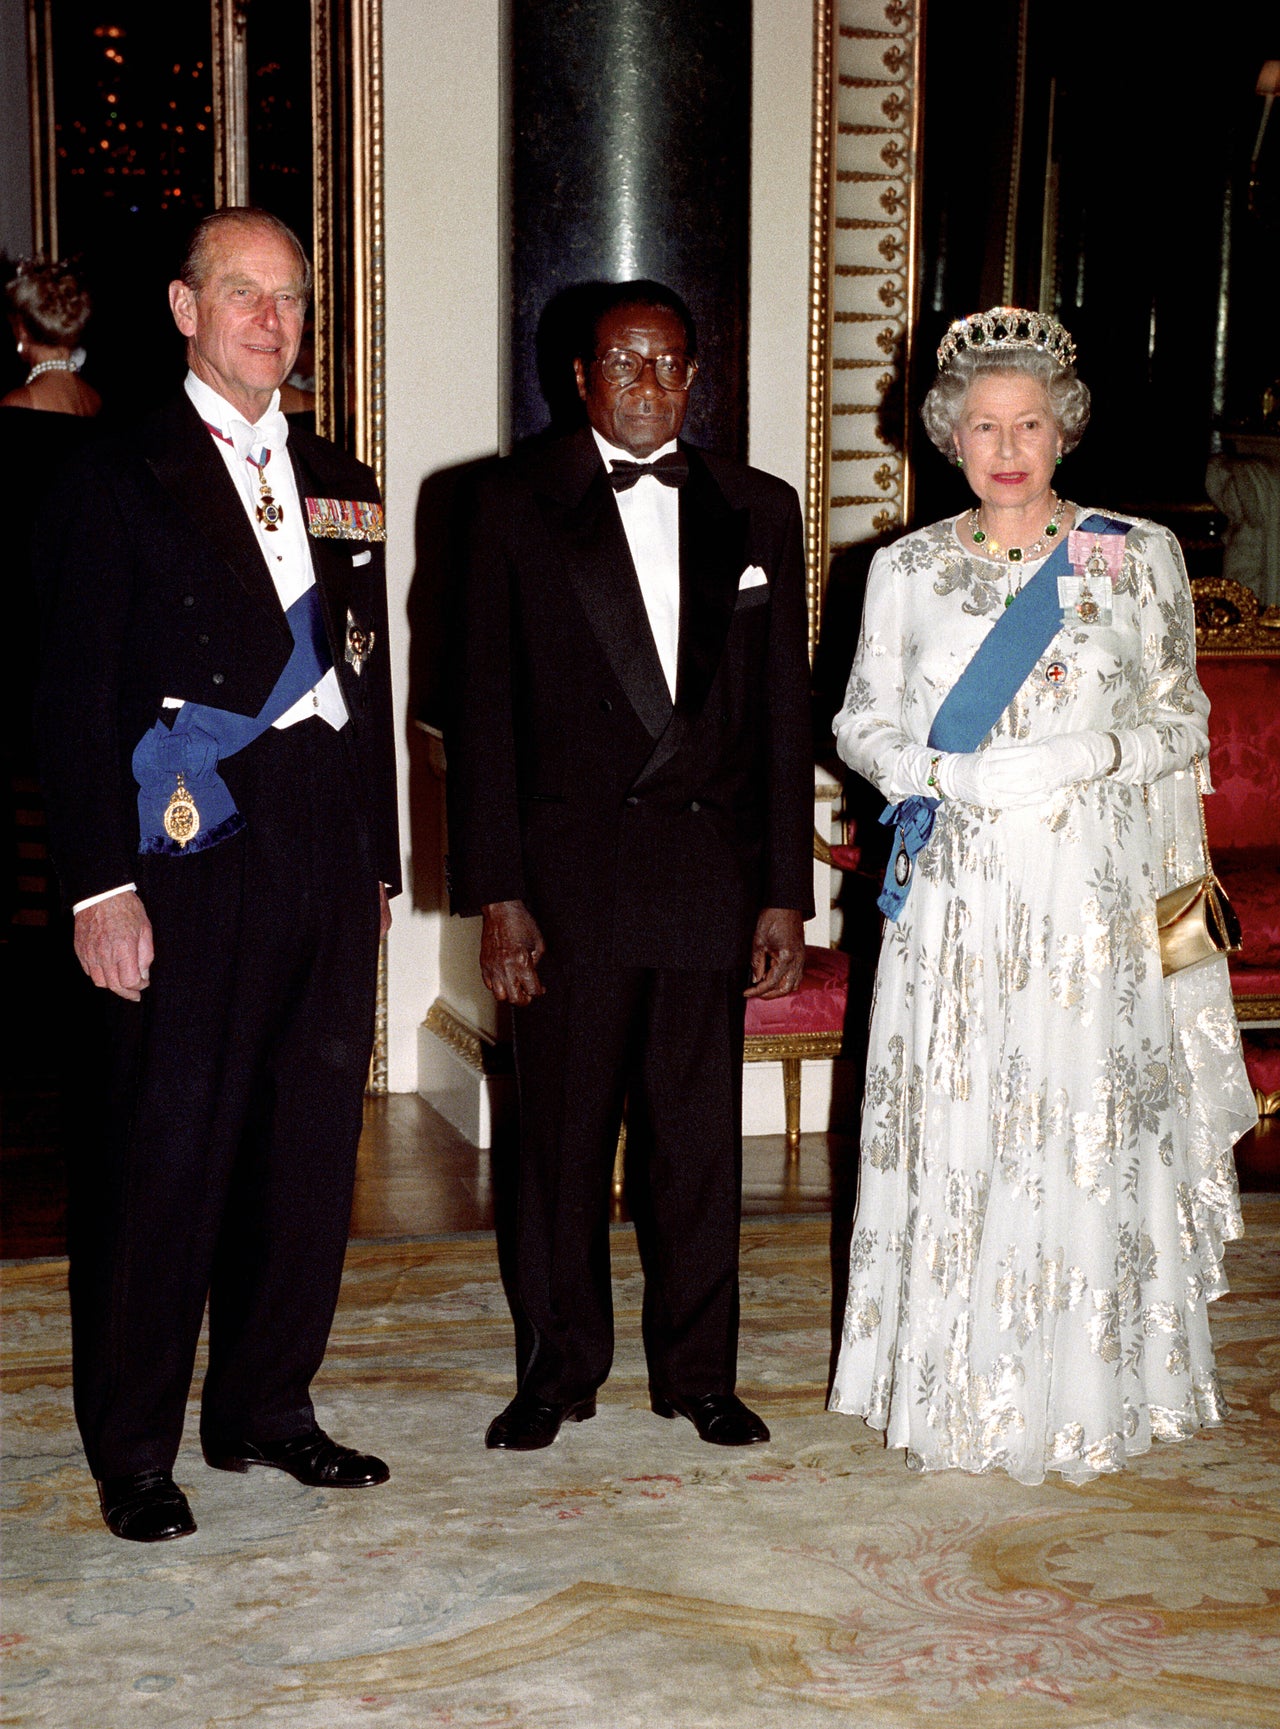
(671, 470)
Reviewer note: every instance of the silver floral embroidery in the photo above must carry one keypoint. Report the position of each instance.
(1104, 1326)
(861, 1250)
(1068, 1443)
(862, 1321)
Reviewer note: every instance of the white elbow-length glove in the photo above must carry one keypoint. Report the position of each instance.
(1145, 755)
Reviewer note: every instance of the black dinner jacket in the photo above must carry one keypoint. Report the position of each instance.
(636, 829)
(153, 586)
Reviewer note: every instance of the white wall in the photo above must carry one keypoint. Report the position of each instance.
(443, 156)
(442, 111)
(781, 149)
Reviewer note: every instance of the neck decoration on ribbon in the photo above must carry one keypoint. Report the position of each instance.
(183, 803)
(998, 670)
(267, 511)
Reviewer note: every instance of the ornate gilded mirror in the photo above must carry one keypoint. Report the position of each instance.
(140, 131)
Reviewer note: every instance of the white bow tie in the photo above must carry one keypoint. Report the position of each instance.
(272, 430)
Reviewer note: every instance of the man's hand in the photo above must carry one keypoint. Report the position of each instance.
(511, 946)
(384, 911)
(114, 945)
(777, 953)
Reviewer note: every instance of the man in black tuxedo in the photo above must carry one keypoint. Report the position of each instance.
(630, 789)
(215, 719)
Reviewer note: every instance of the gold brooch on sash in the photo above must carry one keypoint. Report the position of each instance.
(181, 818)
(359, 644)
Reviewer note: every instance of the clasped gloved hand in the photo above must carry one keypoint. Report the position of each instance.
(1010, 777)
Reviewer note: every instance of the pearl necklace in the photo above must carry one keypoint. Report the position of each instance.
(50, 366)
(1016, 554)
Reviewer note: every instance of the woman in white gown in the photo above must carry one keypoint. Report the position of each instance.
(1047, 1178)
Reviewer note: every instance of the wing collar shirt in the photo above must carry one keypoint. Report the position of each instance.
(286, 551)
(650, 515)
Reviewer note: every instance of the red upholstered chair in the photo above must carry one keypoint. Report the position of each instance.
(810, 1022)
(1262, 1061)
(1238, 659)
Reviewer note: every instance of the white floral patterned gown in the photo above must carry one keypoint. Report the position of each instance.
(1046, 1179)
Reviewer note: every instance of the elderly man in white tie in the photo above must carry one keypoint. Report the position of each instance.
(214, 712)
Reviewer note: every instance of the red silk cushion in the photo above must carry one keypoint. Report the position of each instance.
(818, 1006)
(846, 858)
(1244, 746)
(1252, 881)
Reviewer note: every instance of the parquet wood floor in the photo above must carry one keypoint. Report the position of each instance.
(416, 1176)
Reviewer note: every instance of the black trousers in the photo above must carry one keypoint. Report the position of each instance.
(223, 1165)
(669, 1045)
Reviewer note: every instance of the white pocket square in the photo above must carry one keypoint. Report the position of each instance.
(752, 577)
(362, 558)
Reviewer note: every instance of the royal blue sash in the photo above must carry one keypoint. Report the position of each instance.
(201, 737)
(999, 669)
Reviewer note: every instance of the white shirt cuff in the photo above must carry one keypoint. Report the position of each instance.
(108, 894)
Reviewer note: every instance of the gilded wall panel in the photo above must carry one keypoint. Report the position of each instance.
(865, 247)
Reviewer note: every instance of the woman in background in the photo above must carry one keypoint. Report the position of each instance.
(48, 309)
(1047, 1178)
(42, 422)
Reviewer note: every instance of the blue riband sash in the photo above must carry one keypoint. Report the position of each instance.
(201, 737)
(999, 669)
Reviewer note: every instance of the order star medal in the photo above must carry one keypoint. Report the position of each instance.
(181, 818)
(359, 644)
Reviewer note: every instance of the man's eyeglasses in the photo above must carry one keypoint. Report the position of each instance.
(622, 366)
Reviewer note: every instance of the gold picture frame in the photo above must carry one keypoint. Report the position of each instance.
(347, 203)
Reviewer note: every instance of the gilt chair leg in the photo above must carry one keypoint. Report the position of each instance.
(791, 1098)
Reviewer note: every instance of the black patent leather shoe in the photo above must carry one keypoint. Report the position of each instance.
(145, 1507)
(529, 1423)
(720, 1418)
(312, 1458)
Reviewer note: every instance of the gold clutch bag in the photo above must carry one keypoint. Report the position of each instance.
(1196, 922)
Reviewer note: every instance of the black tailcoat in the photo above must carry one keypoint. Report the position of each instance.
(155, 587)
(645, 837)
(220, 1159)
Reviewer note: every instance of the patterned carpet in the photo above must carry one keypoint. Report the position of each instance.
(631, 1576)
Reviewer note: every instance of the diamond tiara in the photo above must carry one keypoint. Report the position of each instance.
(1007, 327)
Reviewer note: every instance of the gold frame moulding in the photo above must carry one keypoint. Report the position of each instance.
(864, 287)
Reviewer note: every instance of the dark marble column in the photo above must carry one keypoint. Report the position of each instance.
(630, 157)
